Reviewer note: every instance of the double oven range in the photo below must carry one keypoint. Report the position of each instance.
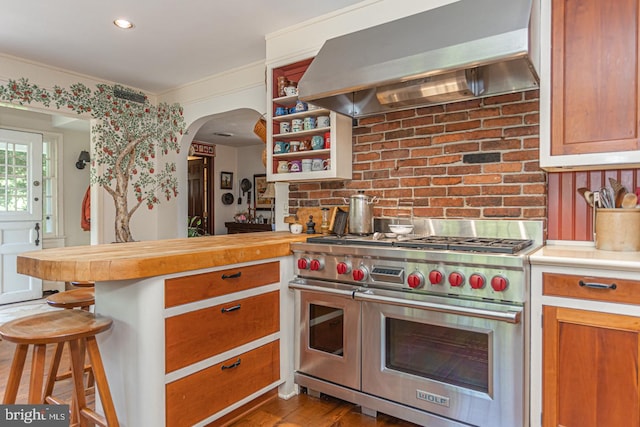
(431, 328)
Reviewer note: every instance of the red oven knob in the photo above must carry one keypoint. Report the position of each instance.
(344, 267)
(477, 281)
(303, 263)
(435, 277)
(415, 280)
(316, 265)
(499, 283)
(456, 279)
(360, 274)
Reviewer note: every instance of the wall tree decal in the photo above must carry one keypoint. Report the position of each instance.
(128, 135)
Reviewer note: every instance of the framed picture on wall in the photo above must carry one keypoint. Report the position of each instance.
(259, 186)
(226, 180)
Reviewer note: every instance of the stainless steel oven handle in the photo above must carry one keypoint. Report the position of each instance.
(327, 290)
(508, 316)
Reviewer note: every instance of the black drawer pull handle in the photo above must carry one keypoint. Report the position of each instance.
(612, 286)
(232, 276)
(233, 365)
(227, 310)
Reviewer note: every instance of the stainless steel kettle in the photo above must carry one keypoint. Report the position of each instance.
(361, 213)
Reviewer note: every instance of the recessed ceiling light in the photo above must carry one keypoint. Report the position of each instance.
(123, 23)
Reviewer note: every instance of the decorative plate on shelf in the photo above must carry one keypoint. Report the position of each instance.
(227, 198)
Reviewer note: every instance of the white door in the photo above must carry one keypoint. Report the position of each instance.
(20, 211)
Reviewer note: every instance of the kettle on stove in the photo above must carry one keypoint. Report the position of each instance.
(361, 213)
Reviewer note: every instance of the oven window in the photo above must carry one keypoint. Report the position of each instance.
(452, 356)
(325, 329)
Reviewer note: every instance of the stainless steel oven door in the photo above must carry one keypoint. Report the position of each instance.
(460, 359)
(328, 328)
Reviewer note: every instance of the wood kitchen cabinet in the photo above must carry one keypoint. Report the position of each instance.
(335, 157)
(594, 81)
(221, 345)
(590, 368)
(590, 358)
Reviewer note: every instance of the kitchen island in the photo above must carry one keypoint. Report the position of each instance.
(170, 359)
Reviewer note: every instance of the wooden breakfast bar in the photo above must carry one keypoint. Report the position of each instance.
(202, 326)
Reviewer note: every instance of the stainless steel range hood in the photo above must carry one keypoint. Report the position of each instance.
(462, 50)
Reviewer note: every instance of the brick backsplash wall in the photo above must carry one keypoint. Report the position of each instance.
(471, 159)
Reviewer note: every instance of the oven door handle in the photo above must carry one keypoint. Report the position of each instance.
(325, 290)
(511, 316)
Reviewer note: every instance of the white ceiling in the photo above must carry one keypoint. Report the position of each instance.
(172, 43)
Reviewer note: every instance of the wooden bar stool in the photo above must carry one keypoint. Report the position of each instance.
(83, 284)
(81, 297)
(77, 327)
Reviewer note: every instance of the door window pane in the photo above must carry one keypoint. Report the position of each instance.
(326, 329)
(15, 194)
(452, 356)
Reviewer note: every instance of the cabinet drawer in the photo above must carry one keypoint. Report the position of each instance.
(200, 334)
(199, 395)
(566, 285)
(182, 290)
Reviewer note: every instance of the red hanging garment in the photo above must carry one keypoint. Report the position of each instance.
(85, 216)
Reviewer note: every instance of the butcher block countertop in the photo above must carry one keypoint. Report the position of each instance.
(135, 260)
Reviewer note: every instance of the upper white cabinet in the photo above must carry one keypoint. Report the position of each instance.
(304, 143)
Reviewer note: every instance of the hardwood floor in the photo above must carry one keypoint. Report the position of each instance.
(307, 411)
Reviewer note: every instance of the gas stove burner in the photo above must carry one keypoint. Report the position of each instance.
(350, 239)
(453, 243)
(467, 244)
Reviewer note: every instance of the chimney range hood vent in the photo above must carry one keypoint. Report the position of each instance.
(459, 51)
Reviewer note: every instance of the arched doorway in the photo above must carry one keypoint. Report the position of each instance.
(224, 148)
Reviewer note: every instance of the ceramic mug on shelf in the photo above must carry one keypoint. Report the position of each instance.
(317, 142)
(283, 166)
(285, 127)
(319, 164)
(282, 83)
(281, 147)
(301, 106)
(309, 123)
(307, 165)
(323, 121)
(290, 90)
(294, 146)
(305, 145)
(281, 111)
(327, 140)
(295, 166)
(297, 125)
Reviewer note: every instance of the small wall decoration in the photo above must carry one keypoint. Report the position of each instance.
(260, 185)
(226, 180)
(203, 149)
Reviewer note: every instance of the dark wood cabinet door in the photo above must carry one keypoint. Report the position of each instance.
(590, 369)
(594, 91)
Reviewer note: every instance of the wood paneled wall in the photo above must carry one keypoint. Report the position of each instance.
(569, 216)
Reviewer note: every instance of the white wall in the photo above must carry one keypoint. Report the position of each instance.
(75, 181)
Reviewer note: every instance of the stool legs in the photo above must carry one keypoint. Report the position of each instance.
(15, 374)
(37, 373)
(77, 370)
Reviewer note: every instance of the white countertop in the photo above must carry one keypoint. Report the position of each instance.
(584, 254)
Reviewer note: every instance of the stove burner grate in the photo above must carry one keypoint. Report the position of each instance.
(468, 244)
(454, 243)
